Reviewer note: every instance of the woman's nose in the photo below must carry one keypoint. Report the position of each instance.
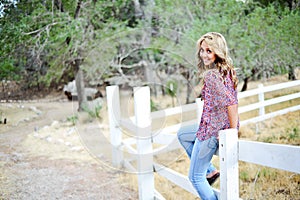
(203, 54)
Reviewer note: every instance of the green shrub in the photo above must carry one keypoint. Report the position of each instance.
(73, 119)
(244, 176)
(172, 90)
(93, 112)
(154, 106)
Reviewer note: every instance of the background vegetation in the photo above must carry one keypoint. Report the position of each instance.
(45, 44)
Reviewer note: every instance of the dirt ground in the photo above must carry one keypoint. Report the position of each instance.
(43, 155)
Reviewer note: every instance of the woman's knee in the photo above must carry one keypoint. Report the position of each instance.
(180, 136)
(192, 179)
(196, 180)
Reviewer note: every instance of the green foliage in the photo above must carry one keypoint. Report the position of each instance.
(154, 106)
(43, 40)
(94, 111)
(171, 88)
(267, 173)
(255, 35)
(294, 133)
(73, 119)
(9, 71)
(49, 40)
(244, 176)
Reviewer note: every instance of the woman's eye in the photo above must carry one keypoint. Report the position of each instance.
(208, 51)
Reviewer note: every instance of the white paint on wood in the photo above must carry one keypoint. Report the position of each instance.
(173, 128)
(270, 115)
(114, 114)
(279, 156)
(261, 99)
(199, 109)
(178, 179)
(158, 196)
(281, 86)
(269, 89)
(229, 173)
(144, 144)
(173, 111)
(128, 124)
(269, 102)
(127, 147)
(164, 138)
(167, 148)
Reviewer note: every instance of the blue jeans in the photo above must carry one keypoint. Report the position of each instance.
(187, 136)
(200, 153)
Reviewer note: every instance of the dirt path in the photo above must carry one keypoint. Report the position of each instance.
(42, 156)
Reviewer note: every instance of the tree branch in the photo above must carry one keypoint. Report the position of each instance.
(142, 63)
(77, 9)
(59, 5)
(41, 29)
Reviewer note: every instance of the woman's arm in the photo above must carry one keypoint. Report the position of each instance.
(233, 115)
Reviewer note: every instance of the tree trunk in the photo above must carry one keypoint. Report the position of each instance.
(82, 100)
(245, 85)
(147, 10)
(188, 92)
(137, 9)
(58, 4)
(292, 75)
(188, 75)
(79, 79)
(77, 9)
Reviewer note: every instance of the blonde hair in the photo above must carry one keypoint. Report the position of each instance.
(223, 62)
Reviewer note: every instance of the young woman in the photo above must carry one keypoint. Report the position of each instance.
(220, 109)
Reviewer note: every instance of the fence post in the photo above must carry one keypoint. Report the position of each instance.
(261, 99)
(228, 153)
(199, 109)
(114, 114)
(142, 112)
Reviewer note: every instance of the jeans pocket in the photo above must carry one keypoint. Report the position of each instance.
(208, 147)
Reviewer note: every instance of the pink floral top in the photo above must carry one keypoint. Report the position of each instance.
(218, 94)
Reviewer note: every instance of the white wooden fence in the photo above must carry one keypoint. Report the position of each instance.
(230, 148)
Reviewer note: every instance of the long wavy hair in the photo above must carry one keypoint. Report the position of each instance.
(223, 62)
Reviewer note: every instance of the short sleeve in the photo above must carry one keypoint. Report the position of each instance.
(220, 94)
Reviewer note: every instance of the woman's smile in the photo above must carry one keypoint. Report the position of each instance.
(206, 54)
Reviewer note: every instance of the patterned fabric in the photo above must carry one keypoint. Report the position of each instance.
(218, 93)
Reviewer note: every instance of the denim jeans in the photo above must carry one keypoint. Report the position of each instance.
(202, 154)
(187, 136)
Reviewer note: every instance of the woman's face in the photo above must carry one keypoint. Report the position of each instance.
(206, 54)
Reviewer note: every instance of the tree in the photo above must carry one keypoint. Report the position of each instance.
(253, 33)
(55, 35)
(135, 42)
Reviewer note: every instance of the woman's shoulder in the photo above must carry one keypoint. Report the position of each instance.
(212, 74)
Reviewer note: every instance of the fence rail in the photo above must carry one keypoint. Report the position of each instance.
(230, 150)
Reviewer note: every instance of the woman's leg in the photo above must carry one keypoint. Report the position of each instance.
(187, 136)
(202, 154)
(211, 170)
